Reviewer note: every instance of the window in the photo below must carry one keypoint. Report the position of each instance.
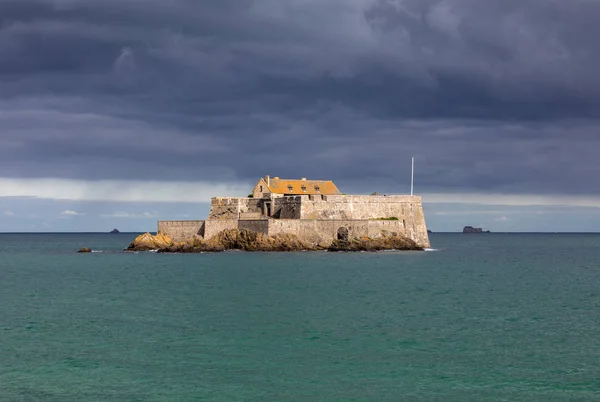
(317, 188)
(261, 189)
(303, 188)
(290, 188)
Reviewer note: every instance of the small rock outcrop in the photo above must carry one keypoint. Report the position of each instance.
(115, 231)
(471, 229)
(245, 240)
(147, 242)
(84, 250)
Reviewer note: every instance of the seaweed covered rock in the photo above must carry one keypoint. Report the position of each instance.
(374, 244)
(148, 242)
(84, 250)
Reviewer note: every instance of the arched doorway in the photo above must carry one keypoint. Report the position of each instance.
(342, 234)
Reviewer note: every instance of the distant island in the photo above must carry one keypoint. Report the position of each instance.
(115, 231)
(471, 229)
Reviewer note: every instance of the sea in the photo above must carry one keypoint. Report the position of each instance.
(479, 317)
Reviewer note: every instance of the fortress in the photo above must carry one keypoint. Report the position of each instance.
(313, 210)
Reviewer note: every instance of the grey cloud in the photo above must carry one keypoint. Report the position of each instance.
(490, 96)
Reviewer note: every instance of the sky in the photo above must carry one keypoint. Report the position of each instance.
(117, 113)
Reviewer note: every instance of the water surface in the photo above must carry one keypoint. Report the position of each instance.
(498, 317)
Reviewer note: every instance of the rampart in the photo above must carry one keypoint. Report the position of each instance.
(359, 206)
(325, 231)
(181, 230)
(313, 218)
(215, 226)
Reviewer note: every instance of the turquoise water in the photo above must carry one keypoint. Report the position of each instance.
(486, 318)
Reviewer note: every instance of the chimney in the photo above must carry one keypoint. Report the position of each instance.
(304, 178)
(268, 179)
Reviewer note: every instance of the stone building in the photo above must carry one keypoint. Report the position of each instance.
(314, 210)
(276, 187)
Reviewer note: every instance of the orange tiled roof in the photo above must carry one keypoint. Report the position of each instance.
(285, 186)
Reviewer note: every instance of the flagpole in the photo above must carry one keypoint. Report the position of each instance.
(412, 176)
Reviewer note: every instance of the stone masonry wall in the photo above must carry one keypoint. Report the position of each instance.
(181, 230)
(288, 207)
(232, 207)
(357, 206)
(325, 231)
(408, 210)
(416, 225)
(260, 226)
(215, 226)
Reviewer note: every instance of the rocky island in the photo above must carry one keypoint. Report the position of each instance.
(296, 215)
(471, 229)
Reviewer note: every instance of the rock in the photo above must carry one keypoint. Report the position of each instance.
(240, 240)
(115, 231)
(148, 242)
(84, 250)
(395, 242)
(191, 245)
(290, 242)
(245, 240)
(471, 229)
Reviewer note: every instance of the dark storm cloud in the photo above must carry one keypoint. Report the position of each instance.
(489, 96)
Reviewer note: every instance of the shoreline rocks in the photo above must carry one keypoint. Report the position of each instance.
(245, 240)
(84, 250)
(148, 242)
(375, 244)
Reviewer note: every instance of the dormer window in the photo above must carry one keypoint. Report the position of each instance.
(303, 188)
(317, 188)
(290, 188)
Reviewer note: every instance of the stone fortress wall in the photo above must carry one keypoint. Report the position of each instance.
(314, 218)
(358, 207)
(235, 208)
(181, 230)
(325, 231)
